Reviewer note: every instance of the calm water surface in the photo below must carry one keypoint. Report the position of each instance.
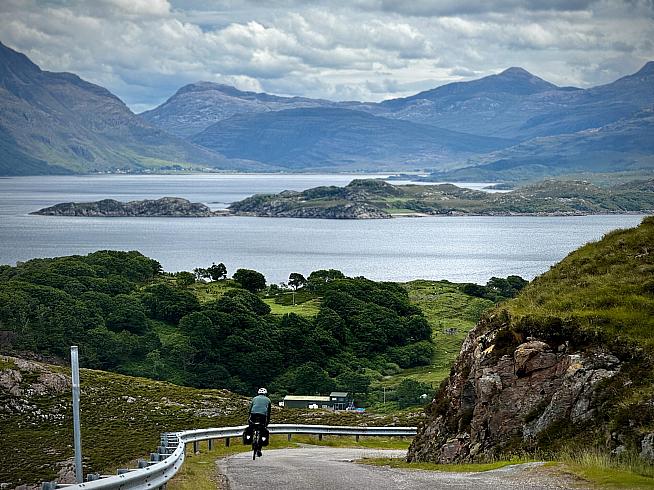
(455, 248)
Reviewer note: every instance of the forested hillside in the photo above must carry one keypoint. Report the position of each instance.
(128, 316)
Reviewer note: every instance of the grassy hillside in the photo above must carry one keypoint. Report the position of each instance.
(598, 299)
(121, 418)
(451, 313)
(605, 287)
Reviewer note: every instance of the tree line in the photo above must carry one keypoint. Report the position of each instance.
(128, 316)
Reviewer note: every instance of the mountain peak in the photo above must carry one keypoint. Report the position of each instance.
(204, 86)
(517, 71)
(12, 61)
(514, 80)
(647, 69)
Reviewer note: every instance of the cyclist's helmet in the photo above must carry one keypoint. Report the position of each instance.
(262, 391)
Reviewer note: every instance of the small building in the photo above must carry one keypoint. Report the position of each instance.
(303, 401)
(339, 400)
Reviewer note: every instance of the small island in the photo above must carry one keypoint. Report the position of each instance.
(374, 199)
(172, 207)
(377, 199)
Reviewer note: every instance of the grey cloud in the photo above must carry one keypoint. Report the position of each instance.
(470, 7)
(145, 50)
(460, 71)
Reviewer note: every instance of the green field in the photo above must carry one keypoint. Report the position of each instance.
(451, 314)
(308, 308)
(211, 291)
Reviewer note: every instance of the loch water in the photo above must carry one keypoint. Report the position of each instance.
(460, 249)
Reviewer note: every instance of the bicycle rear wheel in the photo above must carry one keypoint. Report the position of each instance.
(256, 438)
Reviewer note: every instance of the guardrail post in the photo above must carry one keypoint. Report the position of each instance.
(357, 437)
(77, 434)
(226, 441)
(320, 437)
(289, 437)
(210, 444)
(196, 447)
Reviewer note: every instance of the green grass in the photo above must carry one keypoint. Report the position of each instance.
(400, 211)
(594, 468)
(211, 291)
(606, 286)
(279, 305)
(199, 471)
(451, 315)
(351, 442)
(609, 477)
(451, 468)
(308, 308)
(605, 471)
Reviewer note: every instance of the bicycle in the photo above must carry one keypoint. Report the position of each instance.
(256, 441)
(257, 435)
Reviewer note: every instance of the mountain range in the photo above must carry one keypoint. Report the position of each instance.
(501, 126)
(59, 123)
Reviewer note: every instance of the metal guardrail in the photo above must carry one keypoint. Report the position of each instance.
(170, 454)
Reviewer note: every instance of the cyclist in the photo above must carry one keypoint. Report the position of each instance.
(259, 411)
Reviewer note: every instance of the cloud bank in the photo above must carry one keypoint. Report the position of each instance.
(144, 50)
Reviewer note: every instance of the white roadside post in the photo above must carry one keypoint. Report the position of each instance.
(74, 363)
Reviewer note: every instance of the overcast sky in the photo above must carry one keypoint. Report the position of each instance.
(144, 50)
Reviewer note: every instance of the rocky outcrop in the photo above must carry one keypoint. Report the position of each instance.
(165, 207)
(354, 201)
(281, 209)
(506, 392)
(647, 448)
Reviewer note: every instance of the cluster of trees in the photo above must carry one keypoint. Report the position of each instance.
(496, 289)
(93, 301)
(213, 273)
(128, 317)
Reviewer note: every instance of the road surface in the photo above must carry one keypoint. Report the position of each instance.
(321, 468)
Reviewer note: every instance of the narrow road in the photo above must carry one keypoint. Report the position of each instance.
(321, 468)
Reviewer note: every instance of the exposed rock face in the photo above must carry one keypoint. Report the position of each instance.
(647, 448)
(166, 206)
(41, 380)
(500, 396)
(281, 209)
(349, 202)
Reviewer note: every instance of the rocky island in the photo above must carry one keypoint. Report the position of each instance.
(374, 199)
(174, 207)
(377, 199)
